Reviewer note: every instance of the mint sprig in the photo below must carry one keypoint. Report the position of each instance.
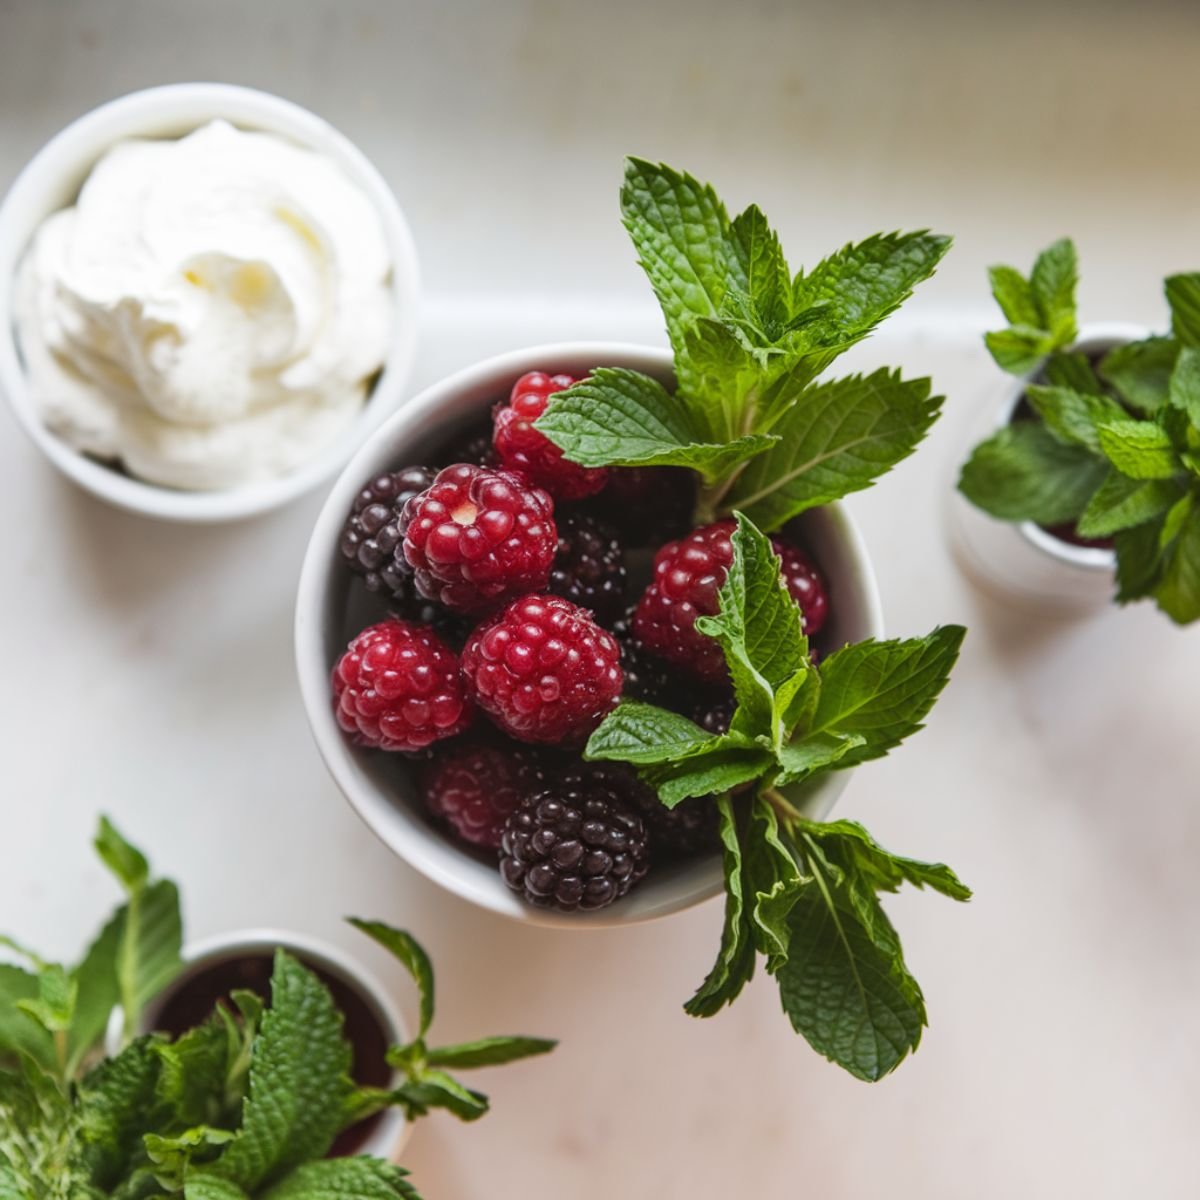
(1113, 450)
(800, 893)
(750, 339)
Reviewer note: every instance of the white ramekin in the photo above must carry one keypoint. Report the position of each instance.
(393, 1129)
(52, 180)
(1019, 558)
(380, 786)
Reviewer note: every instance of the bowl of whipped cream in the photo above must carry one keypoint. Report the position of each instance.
(208, 300)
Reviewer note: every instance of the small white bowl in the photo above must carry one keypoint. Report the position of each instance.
(393, 1129)
(380, 786)
(1019, 558)
(52, 180)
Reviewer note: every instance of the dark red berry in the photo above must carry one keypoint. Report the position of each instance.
(574, 846)
(370, 542)
(474, 787)
(647, 677)
(520, 447)
(648, 505)
(589, 568)
(398, 687)
(543, 670)
(477, 537)
(713, 710)
(805, 583)
(473, 445)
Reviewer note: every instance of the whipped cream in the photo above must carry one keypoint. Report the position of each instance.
(211, 310)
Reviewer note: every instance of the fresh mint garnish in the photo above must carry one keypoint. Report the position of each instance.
(1112, 449)
(801, 893)
(750, 339)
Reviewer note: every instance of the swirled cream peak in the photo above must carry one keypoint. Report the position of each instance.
(210, 311)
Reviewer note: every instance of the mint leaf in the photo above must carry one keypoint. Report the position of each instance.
(412, 955)
(1014, 293)
(205, 1186)
(1184, 386)
(1139, 559)
(98, 990)
(1073, 416)
(1121, 503)
(116, 1105)
(1178, 590)
(1073, 370)
(882, 691)
(1139, 449)
(838, 440)
(488, 1052)
(173, 1157)
(202, 1073)
(635, 732)
(1141, 371)
(735, 962)
(342, 1179)
(150, 950)
(719, 771)
(126, 862)
(1183, 295)
(1055, 274)
(1024, 473)
(19, 1033)
(624, 418)
(299, 1078)
(36, 1137)
(435, 1089)
(813, 753)
(1020, 349)
(772, 884)
(54, 1005)
(768, 280)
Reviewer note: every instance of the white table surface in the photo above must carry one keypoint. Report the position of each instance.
(148, 671)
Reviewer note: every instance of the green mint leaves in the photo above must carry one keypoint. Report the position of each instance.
(1112, 449)
(800, 893)
(749, 340)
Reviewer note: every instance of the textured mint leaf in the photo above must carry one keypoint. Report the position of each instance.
(98, 990)
(640, 733)
(1178, 590)
(762, 264)
(1073, 416)
(1141, 371)
(1014, 293)
(37, 1143)
(1121, 503)
(199, 1081)
(342, 1179)
(839, 439)
(735, 961)
(173, 1157)
(1024, 473)
(1184, 386)
(814, 753)
(882, 691)
(488, 1052)
(714, 773)
(1139, 449)
(150, 951)
(1020, 349)
(1053, 279)
(772, 883)
(718, 375)
(412, 955)
(19, 1032)
(1073, 370)
(1183, 295)
(116, 1106)
(54, 1005)
(680, 230)
(125, 861)
(206, 1186)
(1139, 560)
(299, 1079)
(624, 418)
(435, 1089)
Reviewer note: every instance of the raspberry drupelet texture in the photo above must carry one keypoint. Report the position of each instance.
(474, 788)
(520, 447)
(370, 542)
(543, 670)
(574, 845)
(589, 568)
(398, 687)
(477, 537)
(688, 574)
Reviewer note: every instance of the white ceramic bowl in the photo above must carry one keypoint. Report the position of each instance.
(1019, 558)
(52, 180)
(379, 786)
(393, 1129)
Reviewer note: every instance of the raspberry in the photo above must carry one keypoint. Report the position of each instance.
(589, 568)
(543, 670)
(398, 687)
(520, 447)
(688, 574)
(574, 845)
(474, 788)
(648, 505)
(370, 541)
(477, 537)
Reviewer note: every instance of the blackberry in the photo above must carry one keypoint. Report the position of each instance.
(473, 445)
(688, 829)
(589, 567)
(647, 677)
(574, 845)
(371, 538)
(648, 505)
(714, 711)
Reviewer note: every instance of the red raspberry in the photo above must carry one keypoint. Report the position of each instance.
(688, 574)
(522, 448)
(478, 537)
(473, 788)
(543, 670)
(398, 687)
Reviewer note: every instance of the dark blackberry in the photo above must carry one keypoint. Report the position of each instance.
(371, 538)
(646, 677)
(589, 566)
(688, 829)
(473, 445)
(648, 505)
(714, 711)
(577, 844)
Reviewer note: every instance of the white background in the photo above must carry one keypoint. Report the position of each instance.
(147, 668)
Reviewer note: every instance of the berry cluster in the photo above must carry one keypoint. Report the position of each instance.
(514, 626)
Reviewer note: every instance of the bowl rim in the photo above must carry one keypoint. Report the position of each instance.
(58, 169)
(400, 831)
